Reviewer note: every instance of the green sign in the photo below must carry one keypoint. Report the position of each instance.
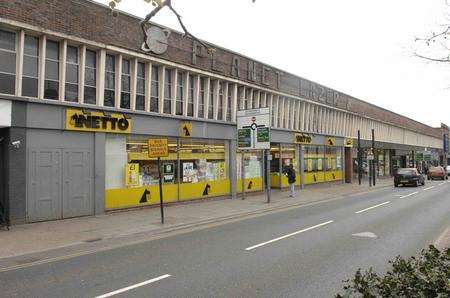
(427, 157)
(244, 137)
(419, 156)
(263, 134)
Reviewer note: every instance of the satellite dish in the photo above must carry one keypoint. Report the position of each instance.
(156, 40)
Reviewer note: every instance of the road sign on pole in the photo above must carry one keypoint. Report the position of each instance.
(159, 148)
(253, 129)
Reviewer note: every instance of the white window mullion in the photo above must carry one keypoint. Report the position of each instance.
(19, 62)
(216, 99)
(62, 69)
(148, 85)
(257, 99)
(41, 77)
(196, 95)
(207, 95)
(242, 98)
(133, 83)
(225, 100)
(234, 102)
(118, 78)
(81, 70)
(101, 77)
(174, 91)
(186, 93)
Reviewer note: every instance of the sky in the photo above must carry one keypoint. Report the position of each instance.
(363, 48)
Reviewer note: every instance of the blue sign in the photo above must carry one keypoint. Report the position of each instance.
(446, 143)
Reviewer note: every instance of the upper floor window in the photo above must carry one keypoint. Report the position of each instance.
(30, 66)
(7, 62)
(90, 78)
(229, 101)
(126, 79)
(71, 90)
(190, 107)
(201, 99)
(140, 87)
(168, 91)
(154, 96)
(110, 81)
(180, 93)
(51, 83)
(221, 102)
(211, 101)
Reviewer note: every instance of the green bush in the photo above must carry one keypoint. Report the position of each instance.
(427, 275)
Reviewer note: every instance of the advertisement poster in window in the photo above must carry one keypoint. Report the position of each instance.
(168, 172)
(132, 174)
(189, 174)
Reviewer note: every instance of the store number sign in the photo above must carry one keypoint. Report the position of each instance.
(253, 128)
(158, 148)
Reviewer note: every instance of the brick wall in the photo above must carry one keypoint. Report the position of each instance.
(94, 22)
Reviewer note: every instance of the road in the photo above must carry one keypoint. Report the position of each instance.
(301, 252)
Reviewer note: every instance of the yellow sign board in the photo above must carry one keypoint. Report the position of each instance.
(158, 148)
(97, 121)
(132, 174)
(331, 141)
(302, 138)
(186, 129)
(348, 142)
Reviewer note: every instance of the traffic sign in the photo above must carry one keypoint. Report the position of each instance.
(186, 129)
(158, 148)
(253, 128)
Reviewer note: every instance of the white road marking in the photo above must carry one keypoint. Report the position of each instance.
(364, 210)
(288, 235)
(365, 234)
(411, 194)
(442, 183)
(398, 195)
(134, 286)
(428, 188)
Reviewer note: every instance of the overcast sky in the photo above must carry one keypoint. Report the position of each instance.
(359, 47)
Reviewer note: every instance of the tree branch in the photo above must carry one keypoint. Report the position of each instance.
(433, 59)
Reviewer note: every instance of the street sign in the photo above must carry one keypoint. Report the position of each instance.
(302, 138)
(158, 148)
(186, 129)
(253, 128)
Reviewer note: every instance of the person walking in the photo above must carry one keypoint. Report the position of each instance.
(290, 173)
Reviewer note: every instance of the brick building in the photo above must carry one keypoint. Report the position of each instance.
(81, 95)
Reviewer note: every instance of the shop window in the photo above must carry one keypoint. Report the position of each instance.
(211, 100)
(201, 99)
(125, 87)
(137, 153)
(110, 81)
(140, 87)
(168, 91)
(154, 96)
(71, 90)
(313, 159)
(180, 93)
(30, 66)
(202, 161)
(252, 165)
(229, 101)
(190, 107)
(7, 62)
(90, 78)
(51, 83)
(221, 101)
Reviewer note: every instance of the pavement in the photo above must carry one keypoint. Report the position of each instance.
(300, 251)
(51, 235)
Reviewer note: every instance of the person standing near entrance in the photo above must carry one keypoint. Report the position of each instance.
(290, 173)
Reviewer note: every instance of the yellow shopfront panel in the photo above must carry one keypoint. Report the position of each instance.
(205, 189)
(139, 196)
(333, 175)
(314, 177)
(275, 180)
(250, 184)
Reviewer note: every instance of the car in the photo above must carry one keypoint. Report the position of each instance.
(437, 173)
(448, 170)
(408, 176)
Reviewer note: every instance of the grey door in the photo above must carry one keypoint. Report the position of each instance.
(44, 184)
(77, 186)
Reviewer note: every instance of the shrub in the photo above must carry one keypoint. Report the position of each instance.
(427, 275)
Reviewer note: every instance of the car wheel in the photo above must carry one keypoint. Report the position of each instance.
(428, 178)
(395, 184)
(423, 182)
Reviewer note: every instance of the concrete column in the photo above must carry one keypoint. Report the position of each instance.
(99, 170)
(302, 167)
(232, 166)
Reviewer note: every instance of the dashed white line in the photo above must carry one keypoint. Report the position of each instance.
(364, 210)
(408, 195)
(288, 235)
(134, 286)
(428, 188)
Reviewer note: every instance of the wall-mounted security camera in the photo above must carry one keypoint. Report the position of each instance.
(15, 144)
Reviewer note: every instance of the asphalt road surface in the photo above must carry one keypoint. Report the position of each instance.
(301, 252)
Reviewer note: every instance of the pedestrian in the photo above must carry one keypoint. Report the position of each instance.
(290, 173)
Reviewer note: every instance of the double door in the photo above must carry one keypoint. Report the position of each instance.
(60, 184)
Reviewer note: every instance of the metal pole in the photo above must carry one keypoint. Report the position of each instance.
(359, 157)
(374, 176)
(242, 175)
(160, 191)
(268, 175)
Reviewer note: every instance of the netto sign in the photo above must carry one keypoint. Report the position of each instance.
(302, 138)
(97, 121)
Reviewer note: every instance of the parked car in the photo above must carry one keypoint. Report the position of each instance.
(448, 170)
(437, 173)
(408, 176)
